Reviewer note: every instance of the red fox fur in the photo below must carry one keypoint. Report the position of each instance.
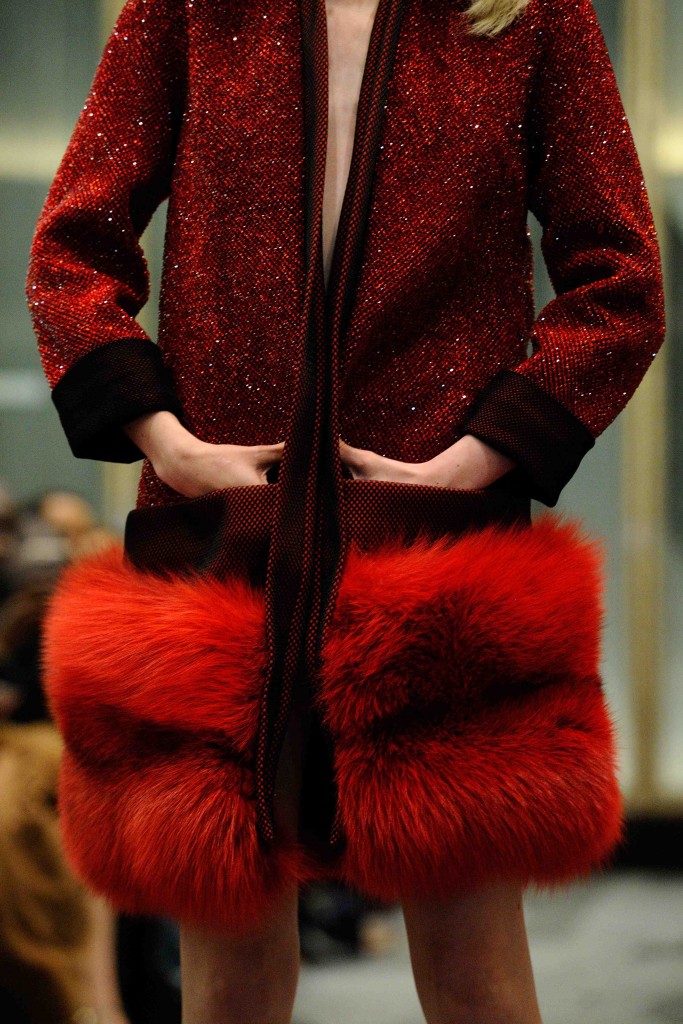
(460, 681)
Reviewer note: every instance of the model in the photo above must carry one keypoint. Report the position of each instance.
(335, 643)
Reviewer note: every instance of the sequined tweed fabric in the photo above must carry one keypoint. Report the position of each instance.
(203, 101)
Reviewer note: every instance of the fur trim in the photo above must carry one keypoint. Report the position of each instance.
(155, 684)
(459, 678)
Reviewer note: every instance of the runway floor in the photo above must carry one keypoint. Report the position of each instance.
(608, 951)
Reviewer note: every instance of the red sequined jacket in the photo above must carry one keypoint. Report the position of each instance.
(426, 331)
(204, 102)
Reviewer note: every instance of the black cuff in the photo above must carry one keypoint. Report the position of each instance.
(108, 387)
(521, 420)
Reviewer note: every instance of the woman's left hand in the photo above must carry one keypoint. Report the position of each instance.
(469, 463)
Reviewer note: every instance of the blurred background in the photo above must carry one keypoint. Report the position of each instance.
(608, 950)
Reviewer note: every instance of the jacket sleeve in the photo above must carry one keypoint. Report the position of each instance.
(593, 343)
(88, 276)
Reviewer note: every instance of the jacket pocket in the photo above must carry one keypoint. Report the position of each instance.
(222, 533)
(380, 511)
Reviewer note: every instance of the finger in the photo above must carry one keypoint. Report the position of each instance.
(273, 451)
(345, 452)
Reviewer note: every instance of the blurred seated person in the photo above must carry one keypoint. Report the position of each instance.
(57, 940)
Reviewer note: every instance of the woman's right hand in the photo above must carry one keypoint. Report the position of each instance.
(194, 467)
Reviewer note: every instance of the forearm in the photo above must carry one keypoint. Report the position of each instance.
(469, 462)
(158, 432)
(87, 277)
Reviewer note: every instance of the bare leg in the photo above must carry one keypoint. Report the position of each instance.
(98, 964)
(250, 979)
(470, 957)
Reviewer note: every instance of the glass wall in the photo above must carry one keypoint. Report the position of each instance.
(670, 162)
(48, 55)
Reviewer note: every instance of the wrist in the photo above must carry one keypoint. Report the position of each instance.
(493, 461)
(469, 462)
(160, 434)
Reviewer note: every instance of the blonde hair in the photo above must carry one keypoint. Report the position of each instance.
(488, 17)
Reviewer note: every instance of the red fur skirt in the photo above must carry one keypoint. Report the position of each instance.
(472, 739)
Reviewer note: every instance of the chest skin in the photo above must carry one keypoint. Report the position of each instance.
(348, 32)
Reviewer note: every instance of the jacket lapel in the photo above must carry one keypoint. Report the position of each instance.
(308, 538)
